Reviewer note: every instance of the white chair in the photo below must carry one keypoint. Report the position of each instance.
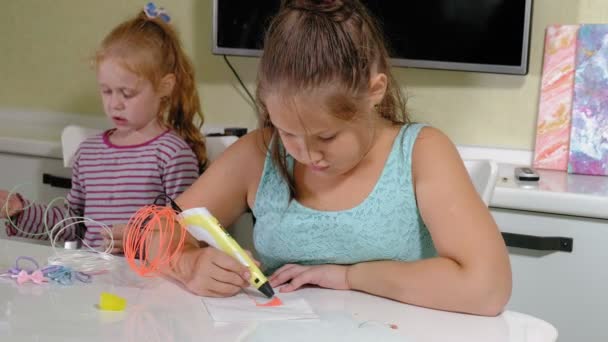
(71, 137)
(483, 173)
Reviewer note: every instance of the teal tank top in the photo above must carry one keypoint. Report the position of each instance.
(385, 226)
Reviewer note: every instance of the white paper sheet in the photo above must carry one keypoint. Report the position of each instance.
(242, 307)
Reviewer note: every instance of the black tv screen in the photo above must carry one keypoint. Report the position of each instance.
(470, 35)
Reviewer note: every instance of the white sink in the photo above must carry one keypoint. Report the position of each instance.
(483, 173)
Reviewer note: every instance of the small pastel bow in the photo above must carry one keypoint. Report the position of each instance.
(152, 12)
(35, 277)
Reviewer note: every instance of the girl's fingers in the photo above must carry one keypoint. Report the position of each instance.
(296, 282)
(286, 275)
(228, 277)
(208, 287)
(223, 282)
(281, 270)
(222, 290)
(117, 247)
(257, 263)
(228, 263)
(116, 234)
(284, 268)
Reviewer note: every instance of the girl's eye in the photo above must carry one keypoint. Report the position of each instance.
(106, 91)
(328, 138)
(127, 95)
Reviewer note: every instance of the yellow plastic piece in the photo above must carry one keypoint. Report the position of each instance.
(111, 302)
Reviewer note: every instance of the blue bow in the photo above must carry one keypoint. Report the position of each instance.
(152, 11)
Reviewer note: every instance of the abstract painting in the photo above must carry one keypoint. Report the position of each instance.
(589, 132)
(555, 104)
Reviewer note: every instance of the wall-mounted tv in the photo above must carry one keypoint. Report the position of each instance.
(469, 35)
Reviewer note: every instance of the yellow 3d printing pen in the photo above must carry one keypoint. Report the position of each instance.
(204, 227)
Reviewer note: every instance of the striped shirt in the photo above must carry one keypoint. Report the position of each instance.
(110, 183)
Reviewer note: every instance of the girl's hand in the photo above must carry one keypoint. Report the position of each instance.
(118, 235)
(328, 276)
(14, 204)
(211, 273)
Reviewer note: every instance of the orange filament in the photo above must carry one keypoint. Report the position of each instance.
(275, 301)
(154, 237)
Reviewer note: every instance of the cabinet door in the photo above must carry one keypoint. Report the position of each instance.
(26, 173)
(566, 289)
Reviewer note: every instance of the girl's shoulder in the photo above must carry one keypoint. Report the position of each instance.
(171, 148)
(433, 150)
(91, 144)
(172, 138)
(432, 140)
(95, 140)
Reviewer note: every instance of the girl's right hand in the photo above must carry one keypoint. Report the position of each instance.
(15, 205)
(210, 272)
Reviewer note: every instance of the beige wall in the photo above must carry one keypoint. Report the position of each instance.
(46, 46)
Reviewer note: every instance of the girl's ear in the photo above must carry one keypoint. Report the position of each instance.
(167, 83)
(377, 87)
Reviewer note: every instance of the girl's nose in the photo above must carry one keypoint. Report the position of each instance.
(116, 102)
(309, 152)
(315, 156)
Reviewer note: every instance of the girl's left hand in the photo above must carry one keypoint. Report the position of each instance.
(118, 235)
(328, 276)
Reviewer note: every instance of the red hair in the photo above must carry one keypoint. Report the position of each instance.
(151, 48)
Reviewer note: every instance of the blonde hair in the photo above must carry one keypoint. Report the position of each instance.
(151, 48)
(310, 44)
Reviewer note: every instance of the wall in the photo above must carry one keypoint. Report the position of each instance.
(44, 66)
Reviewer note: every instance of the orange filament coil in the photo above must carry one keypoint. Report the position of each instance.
(154, 236)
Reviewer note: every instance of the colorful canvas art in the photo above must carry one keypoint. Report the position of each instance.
(555, 104)
(589, 132)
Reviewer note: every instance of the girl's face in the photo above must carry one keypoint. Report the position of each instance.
(129, 101)
(315, 137)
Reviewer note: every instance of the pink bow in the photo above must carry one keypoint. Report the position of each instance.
(36, 277)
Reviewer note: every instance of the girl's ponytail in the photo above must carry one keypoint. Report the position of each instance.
(184, 113)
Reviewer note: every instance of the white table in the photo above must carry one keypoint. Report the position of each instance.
(159, 310)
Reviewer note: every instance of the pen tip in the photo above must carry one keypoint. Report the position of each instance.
(267, 290)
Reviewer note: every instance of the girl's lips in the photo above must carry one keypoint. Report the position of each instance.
(119, 120)
(318, 168)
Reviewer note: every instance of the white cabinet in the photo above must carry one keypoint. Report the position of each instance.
(567, 289)
(27, 172)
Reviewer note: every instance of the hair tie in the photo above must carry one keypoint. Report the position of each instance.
(65, 275)
(56, 273)
(152, 12)
(15, 270)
